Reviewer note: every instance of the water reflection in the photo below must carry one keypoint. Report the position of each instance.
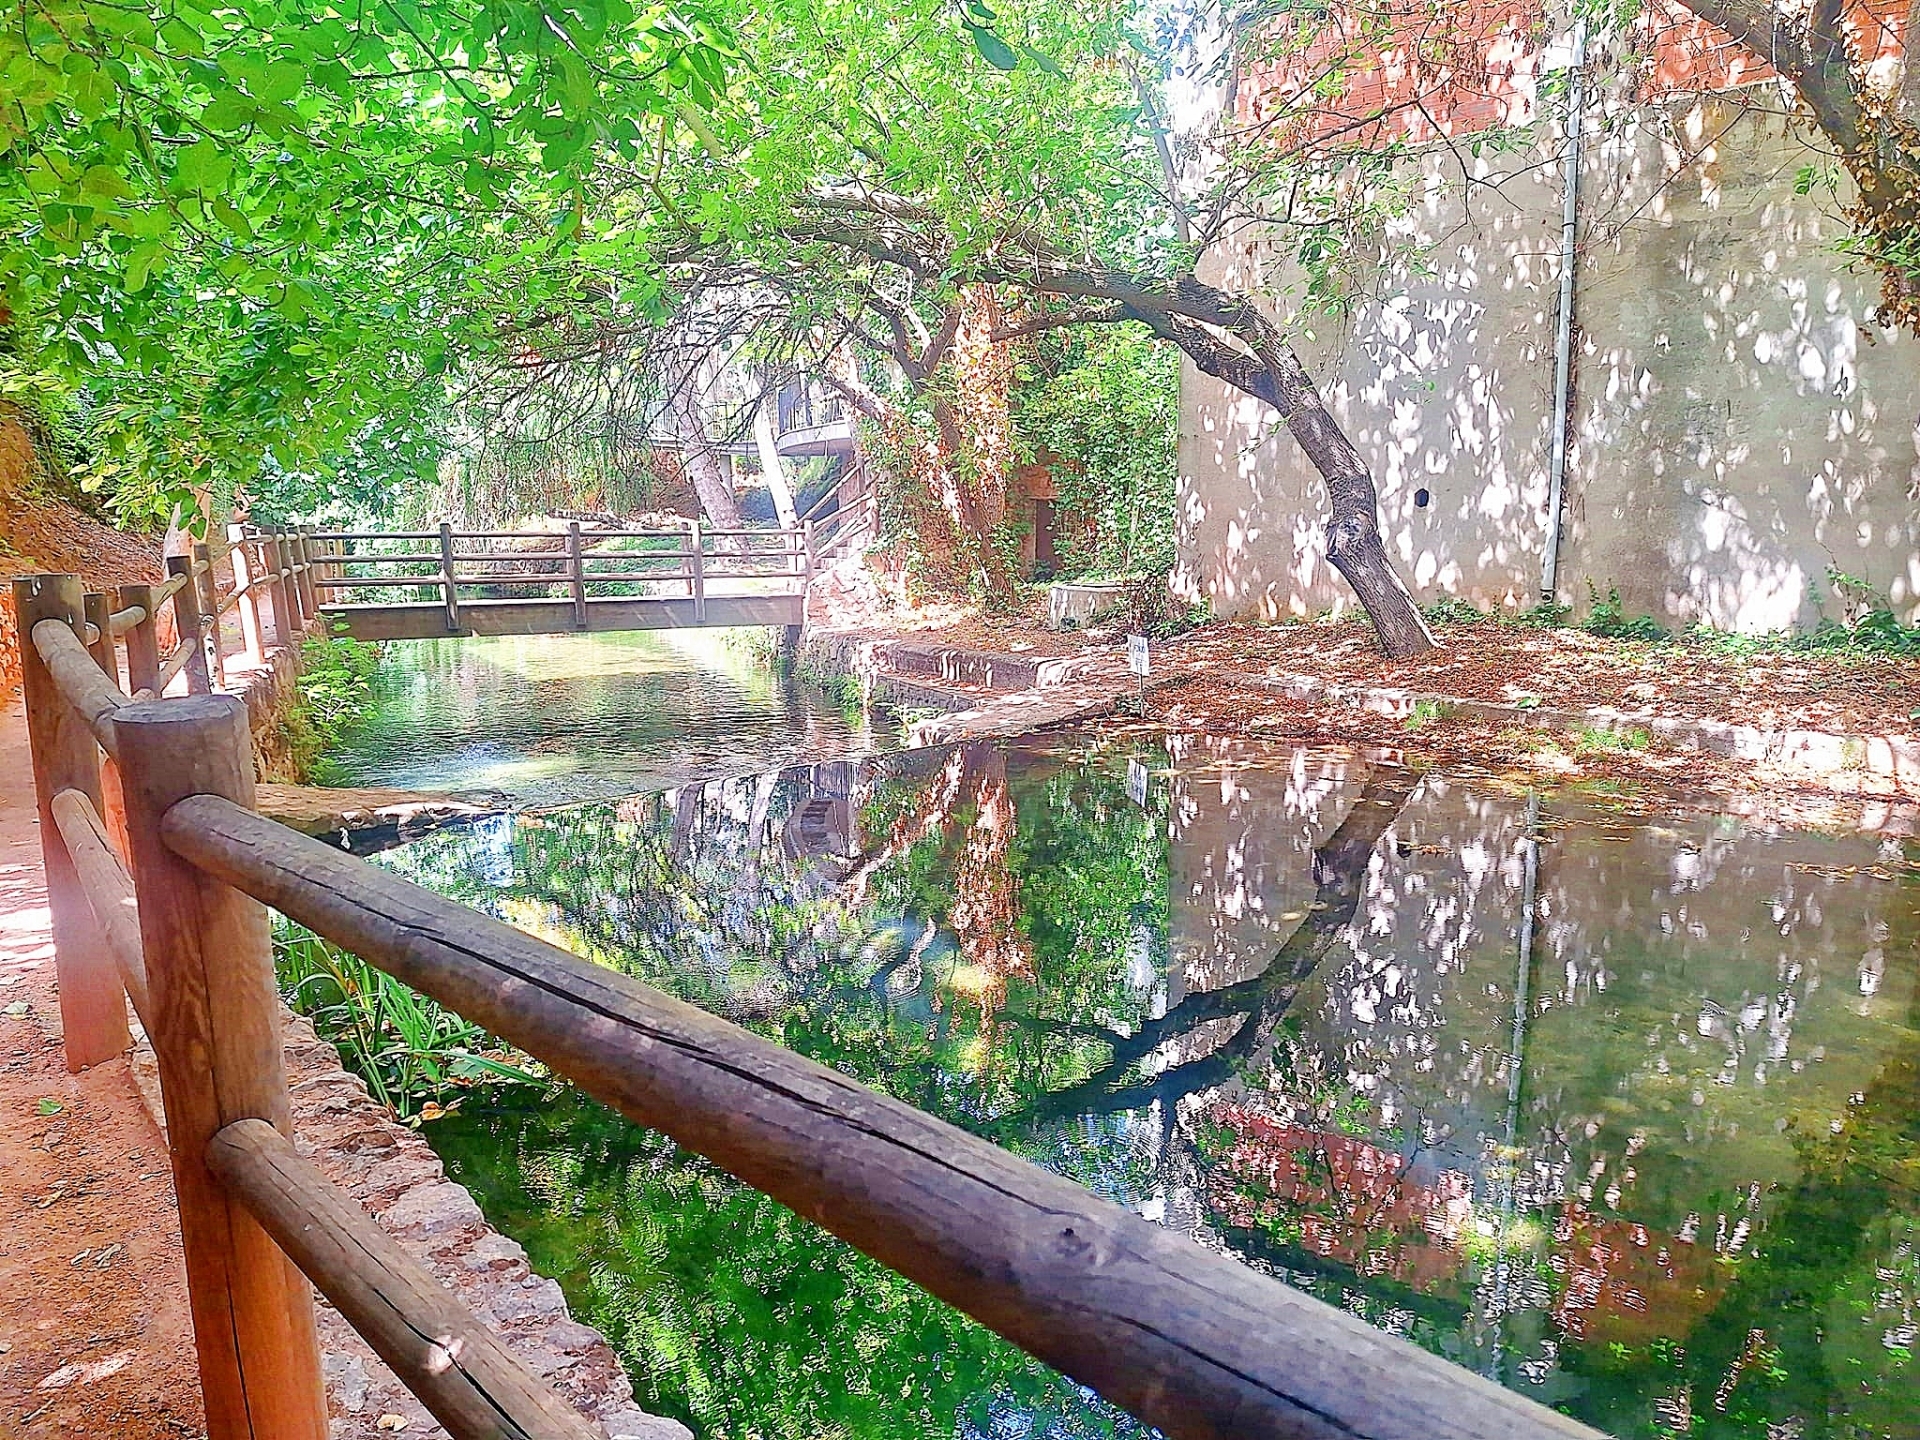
(550, 719)
(1624, 1115)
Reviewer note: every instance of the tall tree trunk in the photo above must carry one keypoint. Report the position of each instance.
(1354, 546)
(1257, 361)
(697, 455)
(770, 466)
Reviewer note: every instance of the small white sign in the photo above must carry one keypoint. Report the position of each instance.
(1137, 783)
(1137, 655)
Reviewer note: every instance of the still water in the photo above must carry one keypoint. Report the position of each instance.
(548, 719)
(1623, 1112)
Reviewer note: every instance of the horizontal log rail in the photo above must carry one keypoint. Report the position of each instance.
(442, 1352)
(121, 621)
(93, 697)
(109, 891)
(1188, 1340)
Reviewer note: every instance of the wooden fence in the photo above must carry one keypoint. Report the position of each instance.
(168, 907)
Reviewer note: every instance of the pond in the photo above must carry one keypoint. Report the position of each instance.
(548, 719)
(1622, 1112)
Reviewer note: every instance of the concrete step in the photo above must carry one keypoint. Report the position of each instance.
(985, 669)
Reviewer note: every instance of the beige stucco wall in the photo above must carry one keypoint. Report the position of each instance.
(1739, 423)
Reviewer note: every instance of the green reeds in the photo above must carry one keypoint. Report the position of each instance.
(415, 1055)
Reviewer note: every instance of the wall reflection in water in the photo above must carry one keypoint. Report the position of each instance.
(1622, 1113)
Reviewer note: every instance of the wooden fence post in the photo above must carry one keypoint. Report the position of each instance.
(186, 621)
(93, 1006)
(697, 572)
(97, 610)
(216, 1033)
(244, 574)
(447, 591)
(290, 544)
(210, 609)
(143, 643)
(285, 624)
(303, 549)
(577, 572)
(113, 807)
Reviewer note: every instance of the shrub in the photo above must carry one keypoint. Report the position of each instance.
(334, 690)
(1609, 618)
(411, 1051)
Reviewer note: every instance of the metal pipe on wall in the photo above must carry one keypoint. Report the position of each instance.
(1563, 334)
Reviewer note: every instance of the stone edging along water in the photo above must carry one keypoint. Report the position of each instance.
(395, 1176)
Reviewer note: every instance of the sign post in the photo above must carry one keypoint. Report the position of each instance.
(1138, 664)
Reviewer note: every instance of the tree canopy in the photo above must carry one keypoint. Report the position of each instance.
(293, 239)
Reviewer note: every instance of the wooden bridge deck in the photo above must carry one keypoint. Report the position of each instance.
(545, 583)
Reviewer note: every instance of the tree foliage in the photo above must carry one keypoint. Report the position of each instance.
(264, 229)
(1103, 407)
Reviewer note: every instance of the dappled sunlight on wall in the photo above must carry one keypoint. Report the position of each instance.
(1739, 425)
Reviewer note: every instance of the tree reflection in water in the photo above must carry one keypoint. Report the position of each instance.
(1664, 1174)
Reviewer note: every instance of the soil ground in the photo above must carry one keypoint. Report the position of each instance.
(1763, 684)
(95, 1339)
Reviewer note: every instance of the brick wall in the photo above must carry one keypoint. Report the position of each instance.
(1418, 71)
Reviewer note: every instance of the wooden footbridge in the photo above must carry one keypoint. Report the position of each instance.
(414, 585)
(159, 874)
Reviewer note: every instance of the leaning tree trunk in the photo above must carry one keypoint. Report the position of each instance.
(697, 455)
(1354, 546)
(1269, 370)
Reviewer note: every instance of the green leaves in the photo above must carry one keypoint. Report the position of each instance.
(240, 230)
(995, 51)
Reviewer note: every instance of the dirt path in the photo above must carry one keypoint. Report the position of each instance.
(94, 1334)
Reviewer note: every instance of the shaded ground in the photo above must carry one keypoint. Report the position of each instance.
(94, 1334)
(1775, 689)
(1270, 681)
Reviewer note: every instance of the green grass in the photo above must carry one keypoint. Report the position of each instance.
(1601, 740)
(1428, 712)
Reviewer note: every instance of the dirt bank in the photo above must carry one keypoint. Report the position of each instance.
(1558, 704)
(41, 534)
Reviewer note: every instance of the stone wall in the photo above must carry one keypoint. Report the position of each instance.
(394, 1174)
(1739, 423)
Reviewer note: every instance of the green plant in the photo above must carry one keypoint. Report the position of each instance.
(1609, 618)
(1603, 740)
(1547, 615)
(1452, 610)
(1429, 712)
(410, 1050)
(333, 691)
(1101, 407)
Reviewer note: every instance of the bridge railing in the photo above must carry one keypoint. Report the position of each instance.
(1186, 1339)
(449, 567)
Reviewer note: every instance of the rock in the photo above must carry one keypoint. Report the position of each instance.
(432, 1210)
(346, 1381)
(410, 1167)
(494, 1251)
(538, 1296)
(629, 1422)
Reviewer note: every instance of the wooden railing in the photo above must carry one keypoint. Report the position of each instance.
(1186, 1339)
(577, 565)
(853, 515)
